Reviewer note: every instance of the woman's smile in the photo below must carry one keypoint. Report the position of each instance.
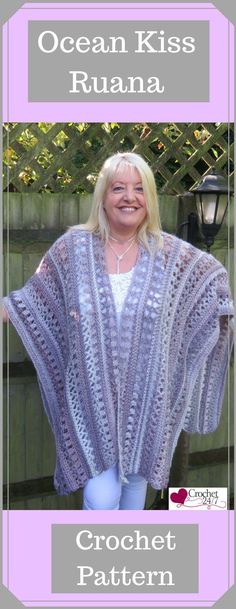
(128, 208)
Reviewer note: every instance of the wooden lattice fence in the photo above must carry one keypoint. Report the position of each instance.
(41, 157)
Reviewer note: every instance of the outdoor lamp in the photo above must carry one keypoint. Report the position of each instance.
(212, 195)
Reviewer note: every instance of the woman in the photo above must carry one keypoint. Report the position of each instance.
(128, 330)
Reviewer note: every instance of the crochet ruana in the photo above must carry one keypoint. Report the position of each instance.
(123, 394)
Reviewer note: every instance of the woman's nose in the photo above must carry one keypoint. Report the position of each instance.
(129, 193)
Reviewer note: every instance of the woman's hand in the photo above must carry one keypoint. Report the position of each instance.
(4, 314)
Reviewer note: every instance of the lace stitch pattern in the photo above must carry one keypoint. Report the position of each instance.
(123, 393)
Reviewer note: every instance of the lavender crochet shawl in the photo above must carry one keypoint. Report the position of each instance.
(125, 396)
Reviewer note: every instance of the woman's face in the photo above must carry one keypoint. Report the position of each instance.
(124, 201)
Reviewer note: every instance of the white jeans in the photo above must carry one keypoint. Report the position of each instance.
(106, 492)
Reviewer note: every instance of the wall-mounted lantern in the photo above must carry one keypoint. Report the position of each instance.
(212, 196)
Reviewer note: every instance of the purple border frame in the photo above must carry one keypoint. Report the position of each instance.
(22, 528)
(16, 107)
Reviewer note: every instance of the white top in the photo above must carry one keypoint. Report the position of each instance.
(120, 283)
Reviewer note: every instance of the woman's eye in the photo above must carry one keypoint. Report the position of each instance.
(139, 188)
(117, 188)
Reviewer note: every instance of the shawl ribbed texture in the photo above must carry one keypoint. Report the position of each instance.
(124, 396)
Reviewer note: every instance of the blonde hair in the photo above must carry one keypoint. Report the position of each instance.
(97, 221)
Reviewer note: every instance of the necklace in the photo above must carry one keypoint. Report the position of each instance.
(121, 256)
(118, 240)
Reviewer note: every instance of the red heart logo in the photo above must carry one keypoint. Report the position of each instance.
(180, 496)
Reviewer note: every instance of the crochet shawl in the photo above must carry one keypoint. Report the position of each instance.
(124, 395)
